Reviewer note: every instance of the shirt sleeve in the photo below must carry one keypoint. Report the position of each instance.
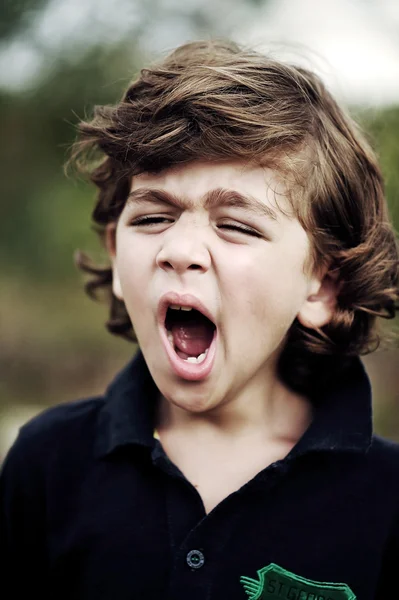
(22, 522)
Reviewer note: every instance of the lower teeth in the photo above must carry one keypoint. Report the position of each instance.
(198, 359)
(191, 359)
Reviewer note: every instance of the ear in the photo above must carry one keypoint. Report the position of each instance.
(319, 306)
(110, 244)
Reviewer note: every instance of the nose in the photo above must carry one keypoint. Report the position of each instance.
(184, 249)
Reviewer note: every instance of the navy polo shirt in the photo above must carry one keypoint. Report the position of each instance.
(92, 508)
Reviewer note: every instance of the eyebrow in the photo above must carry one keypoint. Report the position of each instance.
(219, 197)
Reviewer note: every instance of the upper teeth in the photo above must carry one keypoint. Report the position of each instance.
(177, 307)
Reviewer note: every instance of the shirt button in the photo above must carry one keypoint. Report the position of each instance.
(195, 559)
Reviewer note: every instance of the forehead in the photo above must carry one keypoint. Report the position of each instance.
(193, 183)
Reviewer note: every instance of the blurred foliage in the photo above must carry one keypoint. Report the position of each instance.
(382, 127)
(16, 15)
(53, 346)
(46, 215)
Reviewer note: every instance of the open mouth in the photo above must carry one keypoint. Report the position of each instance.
(190, 333)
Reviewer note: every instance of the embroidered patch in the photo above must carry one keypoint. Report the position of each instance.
(275, 583)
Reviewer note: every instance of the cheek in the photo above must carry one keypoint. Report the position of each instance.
(269, 289)
(133, 273)
(275, 269)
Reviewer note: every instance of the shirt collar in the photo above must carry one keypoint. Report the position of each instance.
(342, 418)
(127, 417)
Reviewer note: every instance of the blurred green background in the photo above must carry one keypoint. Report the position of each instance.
(58, 59)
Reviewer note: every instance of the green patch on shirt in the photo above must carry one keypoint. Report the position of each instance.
(275, 583)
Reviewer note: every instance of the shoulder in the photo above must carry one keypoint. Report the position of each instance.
(61, 426)
(385, 454)
(384, 450)
(63, 416)
(384, 457)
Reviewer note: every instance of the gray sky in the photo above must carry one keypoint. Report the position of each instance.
(353, 44)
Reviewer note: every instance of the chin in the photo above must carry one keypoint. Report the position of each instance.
(190, 401)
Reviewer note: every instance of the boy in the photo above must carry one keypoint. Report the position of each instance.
(251, 253)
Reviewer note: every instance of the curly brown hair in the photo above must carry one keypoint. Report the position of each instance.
(217, 101)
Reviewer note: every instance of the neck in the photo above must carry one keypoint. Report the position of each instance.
(272, 413)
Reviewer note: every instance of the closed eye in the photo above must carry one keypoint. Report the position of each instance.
(241, 230)
(155, 220)
(147, 220)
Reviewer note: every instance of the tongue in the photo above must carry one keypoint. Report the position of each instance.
(192, 339)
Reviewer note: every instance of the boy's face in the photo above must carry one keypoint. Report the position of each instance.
(214, 236)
